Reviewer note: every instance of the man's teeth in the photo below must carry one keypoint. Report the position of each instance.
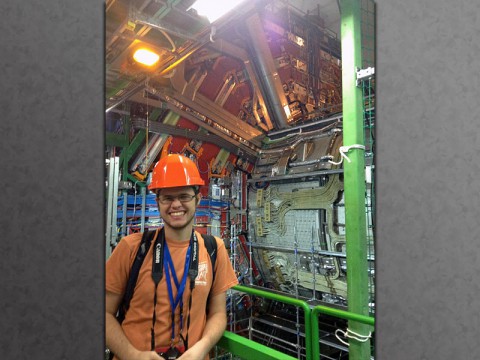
(177, 213)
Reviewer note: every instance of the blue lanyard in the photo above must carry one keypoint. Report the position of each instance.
(191, 270)
(170, 270)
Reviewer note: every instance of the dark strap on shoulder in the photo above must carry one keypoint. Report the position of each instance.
(211, 245)
(145, 243)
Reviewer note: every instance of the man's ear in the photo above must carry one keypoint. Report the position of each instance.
(198, 197)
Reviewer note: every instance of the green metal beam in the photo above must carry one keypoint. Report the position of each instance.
(135, 181)
(119, 85)
(155, 114)
(112, 139)
(171, 118)
(249, 349)
(128, 152)
(354, 177)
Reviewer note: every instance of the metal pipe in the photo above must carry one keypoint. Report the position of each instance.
(112, 205)
(297, 176)
(286, 300)
(314, 297)
(343, 314)
(125, 97)
(143, 192)
(297, 324)
(271, 83)
(274, 323)
(354, 176)
(301, 128)
(307, 251)
(294, 144)
(164, 29)
(293, 345)
(232, 256)
(145, 158)
(323, 159)
(124, 213)
(310, 135)
(179, 61)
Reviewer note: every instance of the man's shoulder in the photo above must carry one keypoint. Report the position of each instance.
(132, 241)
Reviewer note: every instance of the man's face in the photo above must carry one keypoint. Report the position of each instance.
(177, 206)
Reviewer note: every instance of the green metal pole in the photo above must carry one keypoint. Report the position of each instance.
(332, 312)
(286, 300)
(354, 176)
(129, 151)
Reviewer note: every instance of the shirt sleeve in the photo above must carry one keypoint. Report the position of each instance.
(225, 276)
(118, 265)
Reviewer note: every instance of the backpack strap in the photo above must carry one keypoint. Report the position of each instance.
(211, 245)
(145, 243)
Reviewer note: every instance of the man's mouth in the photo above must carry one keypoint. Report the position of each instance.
(177, 213)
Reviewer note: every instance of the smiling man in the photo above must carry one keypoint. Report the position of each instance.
(168, 317)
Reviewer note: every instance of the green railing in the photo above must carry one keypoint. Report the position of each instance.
(337, 313)
(251, 350)
(287, 300)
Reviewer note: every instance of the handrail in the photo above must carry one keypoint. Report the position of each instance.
(249, 349)
(347, 315)
(290, 301)
(240, 347)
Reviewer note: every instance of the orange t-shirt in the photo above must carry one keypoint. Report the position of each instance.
(138, 320)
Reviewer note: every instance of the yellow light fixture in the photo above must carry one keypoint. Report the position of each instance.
(146, 57)
(213, 9)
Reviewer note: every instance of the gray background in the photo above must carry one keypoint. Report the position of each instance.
(52, 181)
(428, 142)
(51, 221)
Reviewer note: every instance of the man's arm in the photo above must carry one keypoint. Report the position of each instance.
(116, 340)
(214, 328)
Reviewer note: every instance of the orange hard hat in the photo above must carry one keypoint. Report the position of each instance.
(175, 170)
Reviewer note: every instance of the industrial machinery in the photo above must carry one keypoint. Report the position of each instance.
(256, 99)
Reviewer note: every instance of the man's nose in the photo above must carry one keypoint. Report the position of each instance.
(176, 199)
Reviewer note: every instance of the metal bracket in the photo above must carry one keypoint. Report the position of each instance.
(364, 74)
(125, 185)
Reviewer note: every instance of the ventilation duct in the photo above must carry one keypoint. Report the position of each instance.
(270, 80)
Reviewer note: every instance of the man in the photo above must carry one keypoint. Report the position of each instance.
(168, 320)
